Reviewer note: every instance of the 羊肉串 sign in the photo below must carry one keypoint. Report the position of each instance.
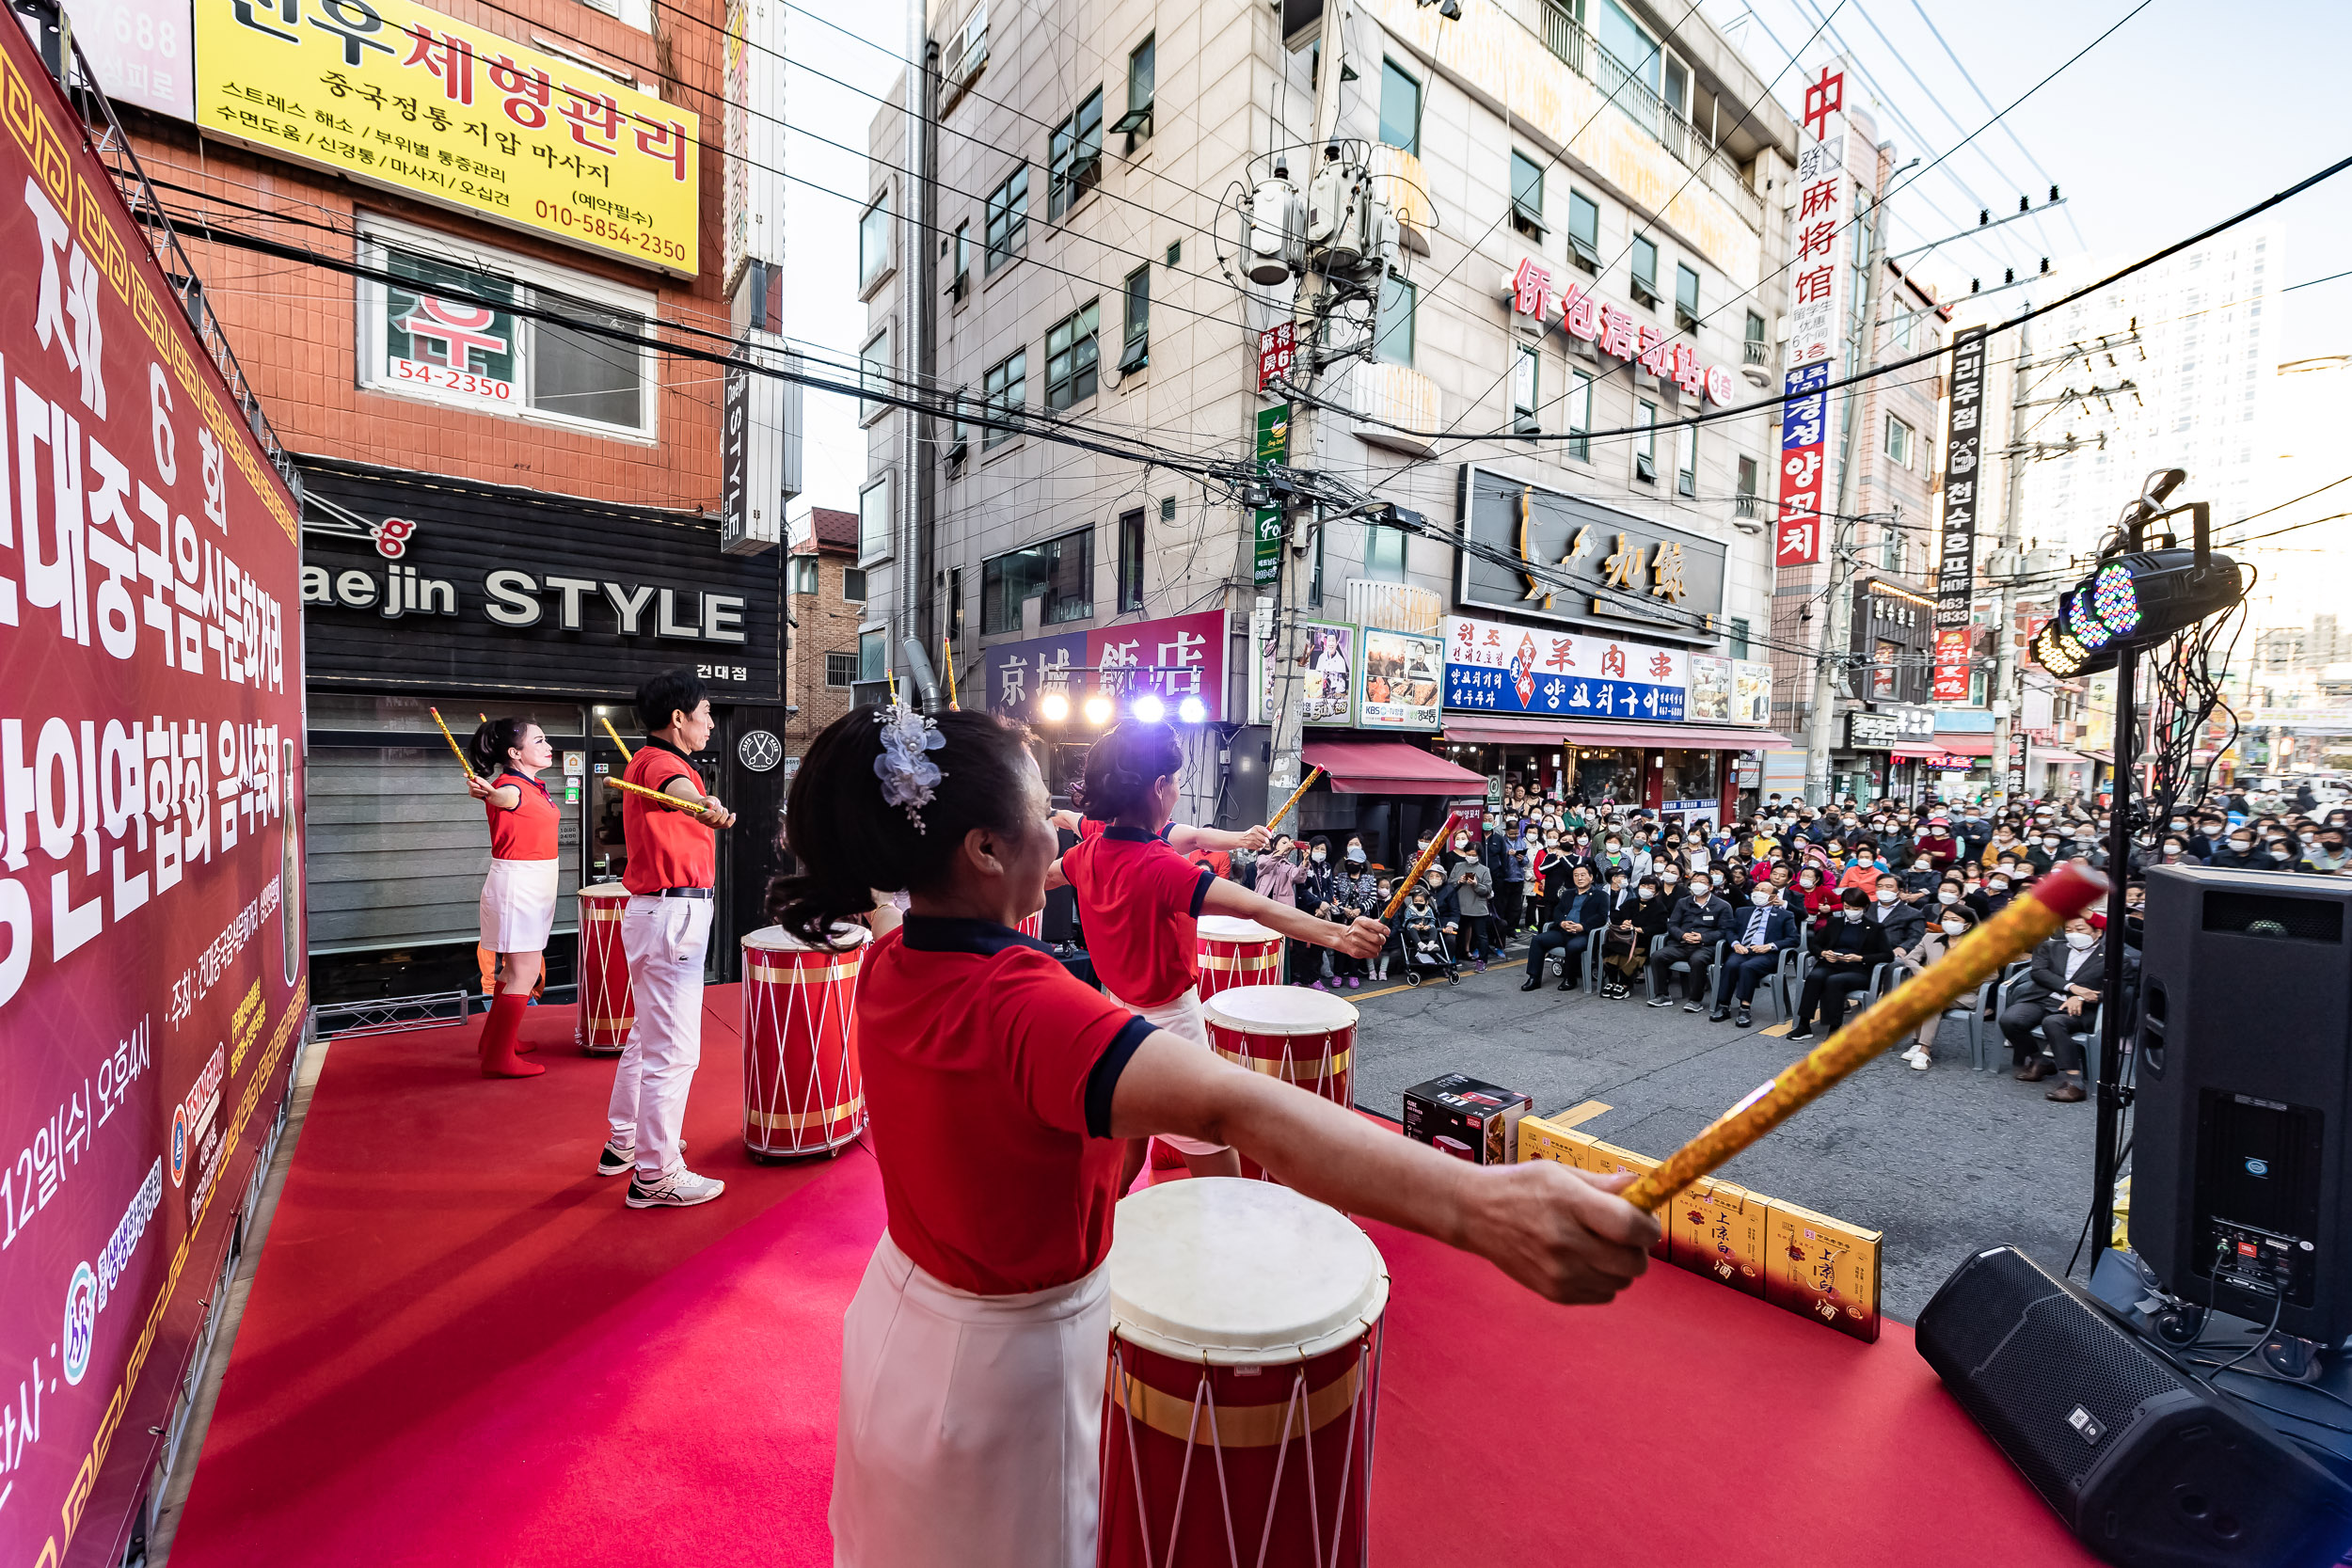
(395, 95)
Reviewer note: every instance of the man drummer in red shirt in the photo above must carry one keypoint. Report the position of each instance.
(665, 929)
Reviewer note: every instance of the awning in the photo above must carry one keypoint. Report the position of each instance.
(1546, 732)
(2053, 755)
(1389, 767)
(2102, 758)
(1962, 745)
(1914, 751)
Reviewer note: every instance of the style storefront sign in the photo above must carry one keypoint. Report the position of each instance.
(1493, 668)
(1621, 570)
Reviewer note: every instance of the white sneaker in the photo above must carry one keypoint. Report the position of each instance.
(616, 1160)
(1918, 1058)
(681, 1189)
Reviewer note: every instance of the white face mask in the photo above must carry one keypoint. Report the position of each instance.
(1671, 881)
(1948, 897)
(1759, 899)
(1461, 844)
(1997, 885)
(1887, 895)
(1319, 857)
(2049, 844)
(1954, 928)
(2079, 941)
(1700, 888)
(1922, 866)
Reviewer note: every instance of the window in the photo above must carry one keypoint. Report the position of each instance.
(1007, 230)
(1527, 194)
(1400, 108)
(1135, 351)
(1076, 148)
(1897, 442)
(1756, 328)
(854, 584)
(1580, 416)
(1384, 553)
(958, 427)
(1686, 298)
(1526, 368)
(955, 604)
(1583, 230)
(1644, 271)
(873, 520)
(1060, 571)
(1646, 444)
(872, 651)
(1392, 331)
(960, 274)
(486, 359)
(1070, 358)
(841, 669)
(1746, 507)
(804, 574)
(874, 367)
(1315, 579)
(1738, 641)
(1007, 391)
(873, 243)
(1130, 562)
(1906, 329)
(1977, 681)
(1883, 669)
(1687, 462)
(1142, 65)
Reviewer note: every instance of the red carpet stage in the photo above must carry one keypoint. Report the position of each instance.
(461, 1350)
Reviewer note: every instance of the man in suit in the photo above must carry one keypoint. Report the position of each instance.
(1698, 922)
(1764, 932)
(2057, 998)
(1845, 950)
(1905, 924)
(1582, 910)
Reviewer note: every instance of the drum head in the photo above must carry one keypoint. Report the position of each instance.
(1226, 927)
(1235, 1272)
(603, 890)
(1280, 1010)
(846, 937)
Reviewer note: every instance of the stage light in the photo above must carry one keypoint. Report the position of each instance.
(1149, 710)
(1053, 707)
(1192, 710)
(1098, 710)
(2134, 602)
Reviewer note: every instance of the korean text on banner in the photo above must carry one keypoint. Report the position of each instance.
(395, 95)
(1956, 575)
(1803, 462)
(1500, 669)
(151, 952)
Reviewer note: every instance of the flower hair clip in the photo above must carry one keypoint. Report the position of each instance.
(909, 778)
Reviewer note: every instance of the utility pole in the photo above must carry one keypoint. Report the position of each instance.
(2003, 697)
(921, 316)
(1301, 523)
(911, 585)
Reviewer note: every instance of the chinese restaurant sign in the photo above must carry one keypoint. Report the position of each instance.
(1620, 568)
(151, 955)
(1500, 669)
(395, 95)
(1180, 656)
(1618, 334)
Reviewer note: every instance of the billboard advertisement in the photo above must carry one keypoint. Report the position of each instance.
(1498, 669)
(1327, 675)
(151, 973)
(1403, 684)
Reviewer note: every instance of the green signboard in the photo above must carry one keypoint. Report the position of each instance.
(1274, 441)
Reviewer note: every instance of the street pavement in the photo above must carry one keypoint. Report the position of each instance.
(1944, 1162)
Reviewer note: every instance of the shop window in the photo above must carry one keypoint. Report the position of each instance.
(1059, 572)
(841, 669)
(1883, 666)
(447, 330)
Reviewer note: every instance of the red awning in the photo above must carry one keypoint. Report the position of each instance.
(1961, 745)
(2063, 758)
(1549, 732)
(1389, 767)
(1914, 751)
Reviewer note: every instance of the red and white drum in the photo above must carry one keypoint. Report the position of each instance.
(1033, 925)
(1295, 1033)
(608, 1011)
(1243, 1380)
(1234, 952)
(802, 1091)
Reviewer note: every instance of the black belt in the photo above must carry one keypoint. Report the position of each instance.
(679, 893)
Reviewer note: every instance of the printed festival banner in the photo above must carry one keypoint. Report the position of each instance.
(1503, 669)
(152, 974)
(1404, 685)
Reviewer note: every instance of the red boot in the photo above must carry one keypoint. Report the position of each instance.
(498, 1039)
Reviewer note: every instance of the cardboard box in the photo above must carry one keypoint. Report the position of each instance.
(1721, 1230)
(1465, 1118)
(1602, 1159)
(1823, 1269)
(1541, 1138)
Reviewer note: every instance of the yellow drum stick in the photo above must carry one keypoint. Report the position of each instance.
(452, 742)
(617, 737)
(669, 800)
(1976, 957)
(1295, 795)
(1412, 878)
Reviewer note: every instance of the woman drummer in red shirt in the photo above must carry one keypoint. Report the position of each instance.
(1140, 900)
(1001, 1091)
(518, 896)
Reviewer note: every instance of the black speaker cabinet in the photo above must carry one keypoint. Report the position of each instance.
(2147, 1467)
(2245, 1094)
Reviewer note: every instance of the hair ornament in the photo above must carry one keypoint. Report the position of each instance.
(910, 779)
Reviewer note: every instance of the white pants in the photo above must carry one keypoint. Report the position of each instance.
(664, 938)
(969, 1423)
(1180, 1018)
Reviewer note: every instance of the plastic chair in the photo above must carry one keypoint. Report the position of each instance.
(1656, 970)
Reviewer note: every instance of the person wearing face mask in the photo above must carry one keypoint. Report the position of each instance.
(1847, 946)
(1920, 881)
(1935, 841)
(1993, 897)
(2056, 997)
(1473, 887)
(1699, 920)
(2326, 857)
(1581, 911)
(1631, 928)
(2212, 832)
(1815, 897)
(1551, 870)
(1763, 931)
(1905, 924)
(1950, 923)
(1426, 945)
(2280, 852)
(1355, 895)
(1862, 868)
(2236, 851)
(1506, 870)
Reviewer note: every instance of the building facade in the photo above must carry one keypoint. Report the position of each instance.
(825, 594)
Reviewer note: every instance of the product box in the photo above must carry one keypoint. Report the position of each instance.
(1824, 1269)
(1602, 1159)
(1465, 1118)
(1541, 1138)
(1720, 1229)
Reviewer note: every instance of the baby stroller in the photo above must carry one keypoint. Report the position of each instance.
(1425, 948)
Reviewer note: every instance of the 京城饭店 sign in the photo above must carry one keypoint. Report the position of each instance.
(1617, 333)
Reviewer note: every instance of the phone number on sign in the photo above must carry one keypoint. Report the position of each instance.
(606, 229)
(441, 378)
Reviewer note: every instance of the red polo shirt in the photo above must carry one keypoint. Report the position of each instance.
(982, 1054)
(528, 832)
(667, 847)
(1140, 901)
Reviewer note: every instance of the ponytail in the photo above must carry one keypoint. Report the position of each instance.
(491, 741)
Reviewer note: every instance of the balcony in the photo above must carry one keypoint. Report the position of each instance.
(1401, 399)
(1755, 361)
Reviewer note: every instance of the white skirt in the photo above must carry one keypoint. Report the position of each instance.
(518, 905)
(969, 1423)
(1182, 1018)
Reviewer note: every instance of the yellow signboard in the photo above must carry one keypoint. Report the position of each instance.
(398, 96)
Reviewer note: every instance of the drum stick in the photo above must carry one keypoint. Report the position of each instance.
(947, 656)
(669, 800)
(616, 739)
(1421, 864)
(1976, 957)
(452, 742)
(1295, 795)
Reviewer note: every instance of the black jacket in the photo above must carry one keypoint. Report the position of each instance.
(1589, 908)
(1648, 917)
(1866, 937)
(1904, 924)
(2045, 983)
(1710, 922)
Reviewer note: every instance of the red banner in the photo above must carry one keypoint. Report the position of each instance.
(1179, 657)
(1951, 665)
(151, 973)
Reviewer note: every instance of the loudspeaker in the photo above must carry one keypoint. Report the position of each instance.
(2244, 1095)
(2147, 1469)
